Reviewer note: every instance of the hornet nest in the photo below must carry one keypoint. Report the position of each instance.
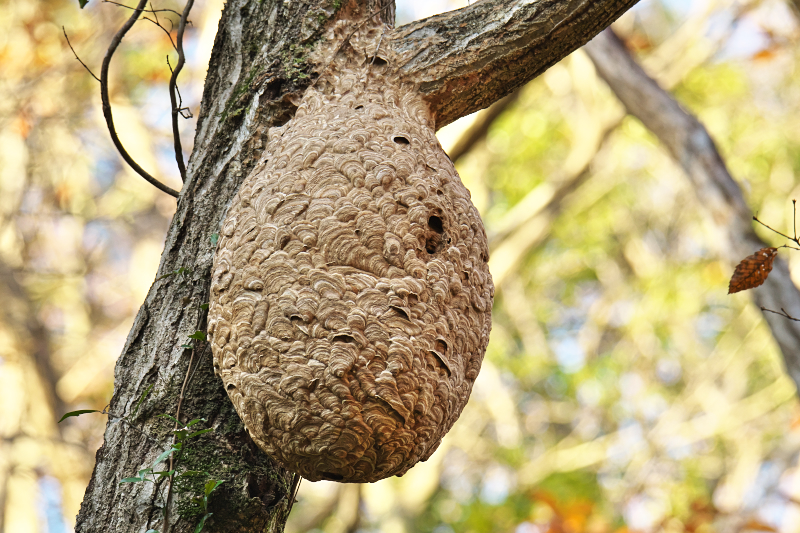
(351, 298)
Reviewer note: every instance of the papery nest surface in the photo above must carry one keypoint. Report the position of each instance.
(351, 297)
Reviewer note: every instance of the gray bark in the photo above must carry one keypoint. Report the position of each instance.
(260, 64)
(692, 147)
(467, 59)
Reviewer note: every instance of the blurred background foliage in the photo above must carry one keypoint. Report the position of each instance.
(622, 391)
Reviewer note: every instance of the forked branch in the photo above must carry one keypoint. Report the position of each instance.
(793, 239)
(107, 104)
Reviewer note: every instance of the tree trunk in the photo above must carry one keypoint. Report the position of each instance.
(721, 196)
(462, 61)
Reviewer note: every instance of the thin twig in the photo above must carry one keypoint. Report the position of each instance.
(165, 30)
(783, 313)
(124, 420)
(776, 231)
(107, 104)
(296, 479)
(172, 455)
(173, 96)
(162, 28)
(155, 14)
(151, 10)
(76, 55)
(378, 47)
(479, 129)
(795, 239)
(194, 371)
(184, 111)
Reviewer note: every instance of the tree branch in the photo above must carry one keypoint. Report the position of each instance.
(20, 312)
(76, 54)
(257, 67)
(467, 59)
(151, 10)
(107, 103)
(173, 85)
(692, 147)
(527, 223)
(477, 131)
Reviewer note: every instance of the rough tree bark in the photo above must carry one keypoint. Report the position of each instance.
(463, 61)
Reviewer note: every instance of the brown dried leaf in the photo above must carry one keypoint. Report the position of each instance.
(753, 270)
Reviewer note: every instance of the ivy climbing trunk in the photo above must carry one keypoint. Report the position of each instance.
(461, 61)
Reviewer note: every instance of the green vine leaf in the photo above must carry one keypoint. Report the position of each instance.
(212, 484)
(198, 433)
(166, 454)
(198, 335)
(165, 415)
(202, 523)
(83, 3)
(79, 412)
(138, 479)
(141, 399)
(176, 272)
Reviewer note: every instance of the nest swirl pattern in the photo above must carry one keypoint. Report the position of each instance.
(351, 298)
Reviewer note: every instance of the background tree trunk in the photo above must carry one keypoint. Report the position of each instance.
(463, 61)
(692, 147)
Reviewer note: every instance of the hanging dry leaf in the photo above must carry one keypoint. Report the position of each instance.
(753, 270)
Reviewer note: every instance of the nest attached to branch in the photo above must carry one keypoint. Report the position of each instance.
(351, 298)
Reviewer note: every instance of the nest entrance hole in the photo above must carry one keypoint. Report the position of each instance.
(433, 237)
(399, 139)
(440, 353)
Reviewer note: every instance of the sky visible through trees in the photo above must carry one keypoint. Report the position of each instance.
(623, 389)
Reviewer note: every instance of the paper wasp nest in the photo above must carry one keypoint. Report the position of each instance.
(351, 298)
